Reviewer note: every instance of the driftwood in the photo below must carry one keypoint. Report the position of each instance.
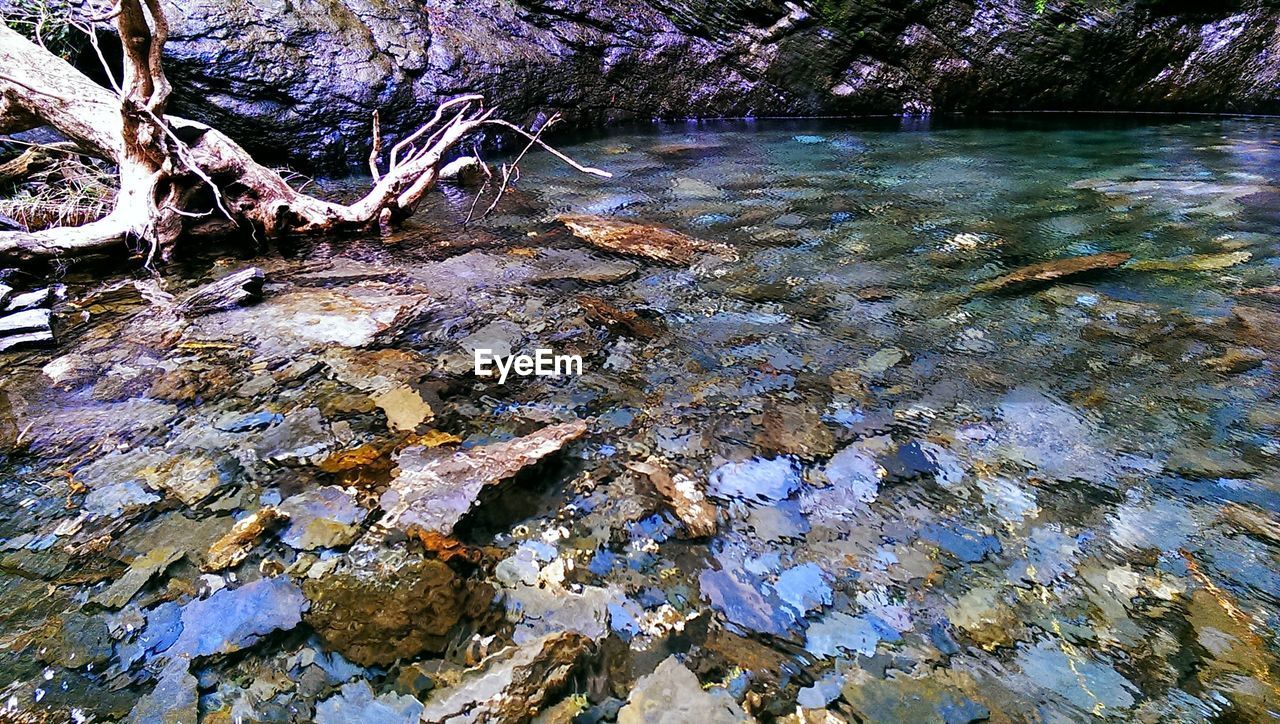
(234, 290)
(178, 175)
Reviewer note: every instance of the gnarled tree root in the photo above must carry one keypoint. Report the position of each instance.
(178, 175)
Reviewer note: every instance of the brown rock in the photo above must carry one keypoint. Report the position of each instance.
(625, 237)
(392, 607)
(435, 490)
(795, 430)
(1236, 360)
(626, 322)
(1052, 270)
(234, 290)
(234, 547)
(683, 495)
(1258, 523)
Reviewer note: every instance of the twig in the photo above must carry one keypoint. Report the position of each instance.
(515, 165)
(97, 49)
(585, 169)
(376, 151)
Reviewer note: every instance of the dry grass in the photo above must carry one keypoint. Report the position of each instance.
(69, 193)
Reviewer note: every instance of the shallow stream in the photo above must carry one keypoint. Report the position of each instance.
(939, 493)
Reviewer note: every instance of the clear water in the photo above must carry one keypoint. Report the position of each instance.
(1053, 502)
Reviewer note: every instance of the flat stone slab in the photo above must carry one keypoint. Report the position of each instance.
(28, 300)
(32, 320)
(26, 339)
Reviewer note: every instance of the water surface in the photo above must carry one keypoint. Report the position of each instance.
(1050, 502)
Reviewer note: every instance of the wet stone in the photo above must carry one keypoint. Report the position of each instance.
(672, 694)
(325, 517)
(839, 634)
(755, 480)
(512, 684)
(174, 700)
(625, 237)
(355, 702)
(42, 338)
(32, 320)
(79, 640)
(234, 547)
(29, 300)
(391, 607)
(911, 699)
(737, 596)
(248, 423)
(112, 501)
(1050, 271)
(435, 490)
(140, 573)
(235, 618)
(538, 610)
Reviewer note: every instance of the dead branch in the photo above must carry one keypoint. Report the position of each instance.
(167, 163)
(375, 152)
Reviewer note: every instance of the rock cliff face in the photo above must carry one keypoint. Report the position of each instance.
(306, 75)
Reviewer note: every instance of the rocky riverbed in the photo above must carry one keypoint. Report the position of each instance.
(943, 424)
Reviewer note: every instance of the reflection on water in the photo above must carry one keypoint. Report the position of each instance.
(932, 498)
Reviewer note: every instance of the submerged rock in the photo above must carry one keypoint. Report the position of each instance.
(174, 700)
(140, 572)
(77, 641)
(909, 699)
(838, 634)
(355, 702)
(684, 497)
(234, 547)
(1196, 262)
(391, 607)
(757, 480)
(1049, 271)
(434, 490)
(513, 684)
(404, 407)
(538, 610)
(1091, 686)
(235, 618)
(325, 517)
(672, 694)
(625, 237)
(301, 319)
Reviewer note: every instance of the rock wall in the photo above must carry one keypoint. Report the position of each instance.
(305, 75)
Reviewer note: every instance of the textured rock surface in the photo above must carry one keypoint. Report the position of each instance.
(306, 76)
(513, 684)
(391, 607)
(673, 694)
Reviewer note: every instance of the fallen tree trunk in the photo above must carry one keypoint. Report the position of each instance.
(177, 175)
